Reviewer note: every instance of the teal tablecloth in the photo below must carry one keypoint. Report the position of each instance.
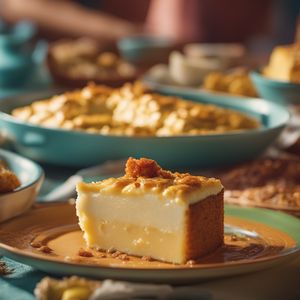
(19, 285)
(38, 81)
(278, 283)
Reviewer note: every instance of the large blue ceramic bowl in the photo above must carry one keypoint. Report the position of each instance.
(31, 177)
(75, 148)
(276, 91)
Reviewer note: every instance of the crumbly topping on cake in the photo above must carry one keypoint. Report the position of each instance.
(145, 167)
(146, 176)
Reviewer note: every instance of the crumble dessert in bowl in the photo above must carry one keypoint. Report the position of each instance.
(98, 123)
(279, 81)
(132, 110)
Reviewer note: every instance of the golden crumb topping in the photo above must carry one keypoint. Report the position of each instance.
(284, 63)
(145, 167)
(235, 82)
(132, 110)
(8, 180)
(146, 176)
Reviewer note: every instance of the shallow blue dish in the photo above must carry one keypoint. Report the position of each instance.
(31, 177)
(78, 149)
(276, 91)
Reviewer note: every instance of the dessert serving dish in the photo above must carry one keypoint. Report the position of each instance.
(185, 148)
(279, 81)
(282, 92)
(150, 225)
(203, 68)
(52, 241)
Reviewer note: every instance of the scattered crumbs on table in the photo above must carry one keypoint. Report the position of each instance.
(4, 270)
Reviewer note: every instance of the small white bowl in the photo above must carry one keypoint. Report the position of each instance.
(21, 199)
(229, 55)
(190, 71)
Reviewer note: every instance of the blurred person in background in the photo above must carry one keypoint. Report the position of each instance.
(268, 22)
(105, 21)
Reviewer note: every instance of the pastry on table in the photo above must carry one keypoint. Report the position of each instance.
(272, 183)
(284, 63)
(171, 217)
(235, 82)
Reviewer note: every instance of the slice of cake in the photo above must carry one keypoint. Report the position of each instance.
(171, 217)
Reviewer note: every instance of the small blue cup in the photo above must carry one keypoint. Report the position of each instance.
(276, 91)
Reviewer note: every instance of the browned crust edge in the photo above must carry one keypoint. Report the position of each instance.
(205, 226)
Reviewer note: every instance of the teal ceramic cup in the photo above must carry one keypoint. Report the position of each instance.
(146, 50)
(18, 59)
(276, 91)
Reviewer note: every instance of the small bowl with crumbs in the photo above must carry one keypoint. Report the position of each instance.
(20, 182)
(279, 81)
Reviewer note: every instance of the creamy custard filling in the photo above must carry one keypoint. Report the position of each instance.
(142, 211)
(134, 239)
